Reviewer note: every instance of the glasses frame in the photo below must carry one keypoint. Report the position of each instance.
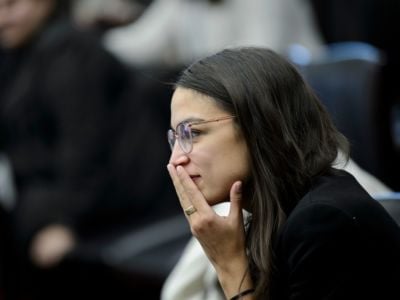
(172, 134)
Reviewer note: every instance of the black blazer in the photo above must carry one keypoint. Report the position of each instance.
(337, 243)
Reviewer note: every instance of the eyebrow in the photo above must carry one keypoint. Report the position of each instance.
(189, 120)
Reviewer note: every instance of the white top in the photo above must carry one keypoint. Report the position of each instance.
(172, 32)
(194, 277)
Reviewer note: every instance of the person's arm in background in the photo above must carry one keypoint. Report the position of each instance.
(148, 40)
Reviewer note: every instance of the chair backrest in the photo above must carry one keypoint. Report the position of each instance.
(346, 80)
(391, 202)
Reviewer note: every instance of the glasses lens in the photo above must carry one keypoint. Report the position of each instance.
(171, 138)
(185, 137)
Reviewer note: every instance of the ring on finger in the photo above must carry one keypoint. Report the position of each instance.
(190, 210)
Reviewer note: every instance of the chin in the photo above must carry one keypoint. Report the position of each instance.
(215, 200)
(212, 203)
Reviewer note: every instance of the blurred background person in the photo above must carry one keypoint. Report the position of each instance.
(63, 106)
(176, 32)
(101, 15)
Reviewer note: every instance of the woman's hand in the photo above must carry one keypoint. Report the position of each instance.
(222, 238)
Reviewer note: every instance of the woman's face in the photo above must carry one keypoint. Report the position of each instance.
(219, 156)
(19, 19)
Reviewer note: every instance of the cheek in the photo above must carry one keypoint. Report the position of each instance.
(213, 183)
(235, 161)
(220, 170)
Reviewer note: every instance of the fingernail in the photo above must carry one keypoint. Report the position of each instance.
(239, 187)
(179, 169)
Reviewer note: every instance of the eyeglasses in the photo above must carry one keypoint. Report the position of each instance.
(184, 134)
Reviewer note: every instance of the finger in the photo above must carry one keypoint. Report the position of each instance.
(183, 199)
(192, 192)
(236, 200)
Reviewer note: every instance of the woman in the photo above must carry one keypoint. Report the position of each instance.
(250, 131)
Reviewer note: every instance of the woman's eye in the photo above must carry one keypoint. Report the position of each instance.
(195, 133)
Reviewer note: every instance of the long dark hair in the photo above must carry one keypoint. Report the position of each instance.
(289, 134)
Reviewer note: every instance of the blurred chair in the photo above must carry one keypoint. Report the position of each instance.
(346, 77)
(391, 202)
(132, 264)
(150, 252)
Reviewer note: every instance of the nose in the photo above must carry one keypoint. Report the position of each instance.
(178, 157)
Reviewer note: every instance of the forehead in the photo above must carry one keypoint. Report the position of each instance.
(190, 104)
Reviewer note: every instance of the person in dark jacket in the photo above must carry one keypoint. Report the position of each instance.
(58, 90)
(246, 128)
(62, 98)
